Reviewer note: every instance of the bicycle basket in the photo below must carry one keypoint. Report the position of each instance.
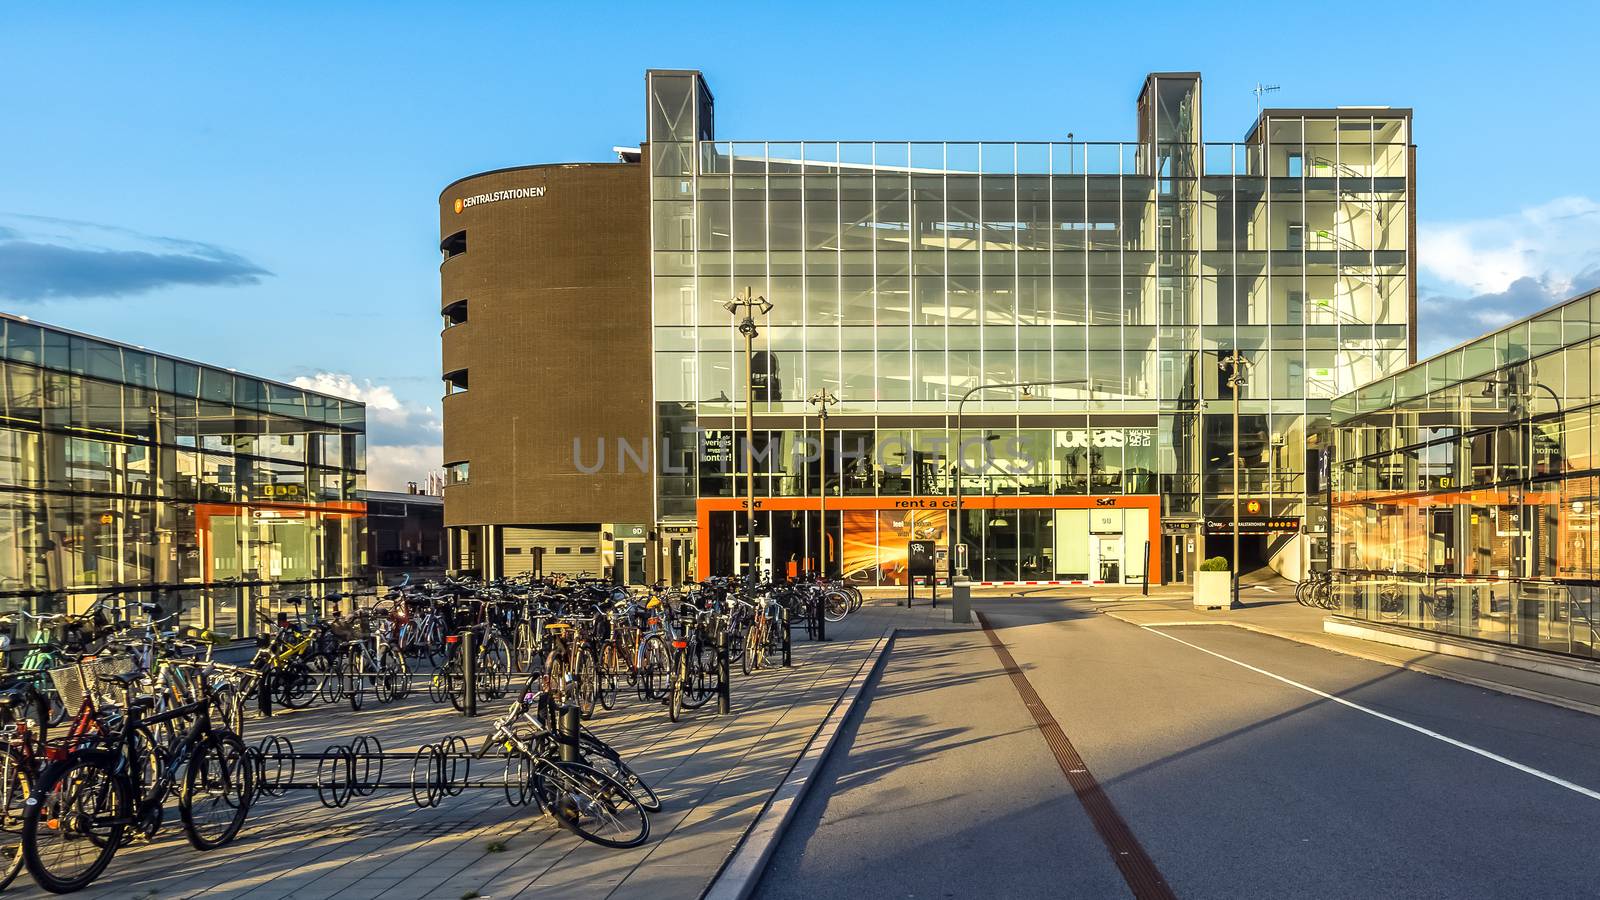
(356, 629)
(72, 681)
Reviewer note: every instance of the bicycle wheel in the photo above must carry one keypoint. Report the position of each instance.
(58, 708)
(217, 790)
(226, 706)
(587, 676)
(381, 677)
(656, 668)
(752, 643)
(149, 757)
(555, 668)
(76, 824)
(396, 675)
(525, 647)
(295, 685)
(16, 785)
(701, 684)
(600, 755)
(680, 671)
(432, 638)
(835, 606)
(494, 668)
(353, 674)
(456, 684)
(591, 804)
(774, 641)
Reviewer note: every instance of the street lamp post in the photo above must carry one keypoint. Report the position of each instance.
(748, 302)
(1238, 369)
(822, 399)
(955, 540)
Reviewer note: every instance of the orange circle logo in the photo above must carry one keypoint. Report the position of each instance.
(458, 205)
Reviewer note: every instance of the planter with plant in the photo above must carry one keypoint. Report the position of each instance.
(1213, 584)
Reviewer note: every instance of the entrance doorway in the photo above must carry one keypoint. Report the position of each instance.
(1174, 549)
(630, 562)
(1442, 540)
(763, 555)
(1105, 557)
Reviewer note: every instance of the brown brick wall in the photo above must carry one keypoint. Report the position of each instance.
(557, 344)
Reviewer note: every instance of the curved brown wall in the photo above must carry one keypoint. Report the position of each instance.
(556, 344)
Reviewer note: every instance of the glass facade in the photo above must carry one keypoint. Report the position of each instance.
(903, 275)
(1464, 493)
(130, 472)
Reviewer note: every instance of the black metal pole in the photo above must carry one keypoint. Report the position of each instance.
(569, 716)
(1146, 589)
(469, 673)
(264, 695)
(822, 620)
(788, 627)
(724, 698)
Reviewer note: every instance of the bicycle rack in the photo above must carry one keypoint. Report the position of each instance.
(362, 767)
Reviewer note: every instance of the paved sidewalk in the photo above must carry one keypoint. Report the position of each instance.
(714, 775)
(1278, 614)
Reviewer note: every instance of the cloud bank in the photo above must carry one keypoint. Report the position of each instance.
(52, 259)
(1487, 272)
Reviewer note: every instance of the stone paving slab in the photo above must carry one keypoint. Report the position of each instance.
(714, 775)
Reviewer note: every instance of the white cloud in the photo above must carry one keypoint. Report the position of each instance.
(1487, 272)
(1550, 243)
(404, 441)
(391, 466)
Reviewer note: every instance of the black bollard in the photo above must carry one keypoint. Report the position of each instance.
(724, 699)
(788, 627)
(822, 620)
(264, 695)
(569, 718)
(469, 673)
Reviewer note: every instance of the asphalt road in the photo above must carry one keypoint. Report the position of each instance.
(1236, 783)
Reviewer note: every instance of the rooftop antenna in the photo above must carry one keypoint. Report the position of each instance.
(1259, 90)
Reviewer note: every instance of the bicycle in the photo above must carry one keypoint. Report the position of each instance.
(86, 803)
(582, 799)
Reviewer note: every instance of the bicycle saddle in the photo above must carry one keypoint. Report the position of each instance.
(126, 679)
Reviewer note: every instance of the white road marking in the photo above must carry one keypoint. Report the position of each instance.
(1486, 754)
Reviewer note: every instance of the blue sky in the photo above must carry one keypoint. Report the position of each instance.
(257, 188)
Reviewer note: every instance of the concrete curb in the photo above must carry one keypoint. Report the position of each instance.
(1510, 690)
(742, 870)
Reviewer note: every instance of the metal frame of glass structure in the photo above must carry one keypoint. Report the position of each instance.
(128, 472)
(1464, 492)
(904, 273)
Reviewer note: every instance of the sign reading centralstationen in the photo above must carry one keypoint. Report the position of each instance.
(526, 193)
(1223, 527)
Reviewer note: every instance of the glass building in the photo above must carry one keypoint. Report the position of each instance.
(1114, 278)
(125, 471)
(1464, 492)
